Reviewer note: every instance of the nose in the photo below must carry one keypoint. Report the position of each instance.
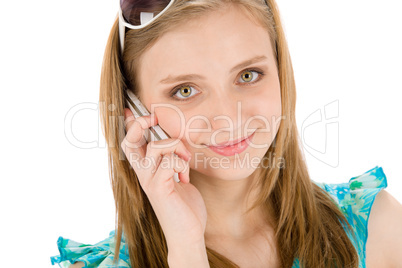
(226, 115)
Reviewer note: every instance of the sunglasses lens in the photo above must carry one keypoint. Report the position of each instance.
(132, 9)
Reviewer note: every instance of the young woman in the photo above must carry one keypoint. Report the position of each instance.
(217, 77)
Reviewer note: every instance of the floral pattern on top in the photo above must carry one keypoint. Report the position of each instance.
(354, 198)
(100, 254)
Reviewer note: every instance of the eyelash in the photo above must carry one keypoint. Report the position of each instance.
(176, 89)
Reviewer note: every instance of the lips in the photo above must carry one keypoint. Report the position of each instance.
(230, 143)
(236, 148)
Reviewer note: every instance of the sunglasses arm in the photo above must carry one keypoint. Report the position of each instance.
(122, 30)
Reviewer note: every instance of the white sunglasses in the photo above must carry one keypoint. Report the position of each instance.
(132, 16)
(135, 14)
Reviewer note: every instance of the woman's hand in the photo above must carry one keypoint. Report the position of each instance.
(179, 207)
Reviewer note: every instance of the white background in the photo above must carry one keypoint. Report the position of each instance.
(347, 53)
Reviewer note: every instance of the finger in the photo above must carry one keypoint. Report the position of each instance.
(134, 138)
(178, 164)
(184, 176)
(131, 140)
(148, 121)
(157, 149)
(129, 118)
(134, 142)
(182, 167)
(133, 151)
(169, 165)
(138, 127)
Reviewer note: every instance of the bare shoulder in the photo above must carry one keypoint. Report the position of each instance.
(384, 241)
(79, 264)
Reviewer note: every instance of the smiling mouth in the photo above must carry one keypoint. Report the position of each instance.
(229, 143)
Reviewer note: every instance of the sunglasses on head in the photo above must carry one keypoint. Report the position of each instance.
(137, 14)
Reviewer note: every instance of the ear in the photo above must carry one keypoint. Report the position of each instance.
(384, 241)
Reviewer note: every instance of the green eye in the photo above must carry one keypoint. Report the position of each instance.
(185, 91)
(247, 76)
(251, 76)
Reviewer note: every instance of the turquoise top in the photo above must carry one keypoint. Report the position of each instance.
(354, 198)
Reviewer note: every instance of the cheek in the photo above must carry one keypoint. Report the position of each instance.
(170, 117)
(188, 128)
(266, 111)
(267, 104)
(177, 124)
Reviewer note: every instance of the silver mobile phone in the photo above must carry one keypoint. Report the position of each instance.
(155, 133)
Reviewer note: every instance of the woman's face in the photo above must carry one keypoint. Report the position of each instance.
(217, 80)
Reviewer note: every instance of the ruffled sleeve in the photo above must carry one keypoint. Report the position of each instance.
(99, 255)
(355, 200)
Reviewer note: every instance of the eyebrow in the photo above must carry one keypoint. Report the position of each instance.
(171, 80)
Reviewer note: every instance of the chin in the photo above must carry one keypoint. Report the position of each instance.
(237, 167)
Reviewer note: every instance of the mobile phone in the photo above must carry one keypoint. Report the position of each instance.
(155, 133)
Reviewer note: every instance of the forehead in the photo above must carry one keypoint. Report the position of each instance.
(218, 39)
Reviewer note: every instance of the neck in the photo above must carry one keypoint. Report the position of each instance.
(227, 202)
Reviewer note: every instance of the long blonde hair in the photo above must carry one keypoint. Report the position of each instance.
(306, 220)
